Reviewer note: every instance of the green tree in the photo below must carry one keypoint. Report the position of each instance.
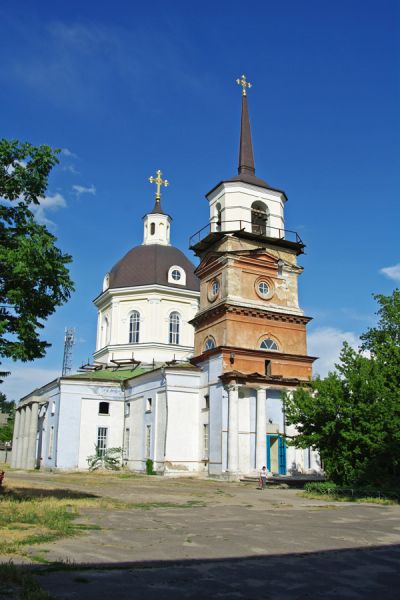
(34, 277)
(8, 408)
(352, 416)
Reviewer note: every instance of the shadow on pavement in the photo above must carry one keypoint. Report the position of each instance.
(27, 493)
(365, 573)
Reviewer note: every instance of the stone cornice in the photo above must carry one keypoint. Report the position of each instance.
(236, 377)
(268, 354)
(215, 311)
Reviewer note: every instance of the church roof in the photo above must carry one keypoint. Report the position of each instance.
(149, 264)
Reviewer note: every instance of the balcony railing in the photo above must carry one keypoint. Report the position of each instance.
(262, 230)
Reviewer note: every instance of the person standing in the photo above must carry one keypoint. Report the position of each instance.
(263, 477)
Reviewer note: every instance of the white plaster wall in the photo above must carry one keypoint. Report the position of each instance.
(154, 304)
(90, 421)
(184, 411)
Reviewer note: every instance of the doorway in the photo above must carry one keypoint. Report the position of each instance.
(276, 454)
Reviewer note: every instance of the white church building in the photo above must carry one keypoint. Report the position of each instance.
(190, 362)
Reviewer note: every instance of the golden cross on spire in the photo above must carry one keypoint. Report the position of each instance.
(245, 84)
(159, 182)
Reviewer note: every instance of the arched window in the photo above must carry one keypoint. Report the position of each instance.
(268, 344)
(174, 326)
(209, 344)
(152, 228)
(134, 327)
(105, 331)
(259, 218)
(218, 215)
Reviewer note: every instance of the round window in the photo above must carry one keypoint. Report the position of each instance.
(263, 288)
(213, 289)
(175, 275)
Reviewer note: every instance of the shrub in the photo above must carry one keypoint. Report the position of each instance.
(149, 467)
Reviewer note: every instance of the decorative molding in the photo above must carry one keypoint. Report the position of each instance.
(214, 312)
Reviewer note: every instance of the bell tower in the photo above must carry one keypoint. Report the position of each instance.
(250, 331)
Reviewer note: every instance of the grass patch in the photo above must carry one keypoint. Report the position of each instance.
(17, 582)
(31, 516)
(330, 491)
(343, 498)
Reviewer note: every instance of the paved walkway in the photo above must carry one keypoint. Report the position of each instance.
(236, 542)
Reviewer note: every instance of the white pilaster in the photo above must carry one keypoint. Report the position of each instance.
(27, 424)
(261, 449)
(15, 438)
(31, 453)
(20, 445)
(233, 435)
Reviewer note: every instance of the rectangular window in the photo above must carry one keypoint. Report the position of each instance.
(174, 327)
(53, 407)
(134, 327)
(149, 403)
(205, 440)
(206, 402)
(127, 409)
(51, 442)
(148, 441)
(101, 440)
(268, 367)
(127, 440)
(104, 408)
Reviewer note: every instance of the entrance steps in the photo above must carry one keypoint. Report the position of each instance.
(284, 481)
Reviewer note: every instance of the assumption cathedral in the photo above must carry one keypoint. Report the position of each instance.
(190, 363)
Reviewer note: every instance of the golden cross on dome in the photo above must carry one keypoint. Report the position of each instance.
(245, 84)
(159, 182)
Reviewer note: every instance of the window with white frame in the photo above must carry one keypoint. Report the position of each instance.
(177, 275)
(149, 404)
(174, 328)
(134, 327)
(148, 441)
(127, 409)
(101, 440)
(205, 440)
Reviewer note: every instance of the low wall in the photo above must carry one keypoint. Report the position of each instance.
(5, 456)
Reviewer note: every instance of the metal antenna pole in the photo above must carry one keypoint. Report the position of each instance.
(69, 341)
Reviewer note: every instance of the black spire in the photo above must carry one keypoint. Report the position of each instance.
(246, 157)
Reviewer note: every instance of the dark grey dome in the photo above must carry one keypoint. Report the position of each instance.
(149, 264)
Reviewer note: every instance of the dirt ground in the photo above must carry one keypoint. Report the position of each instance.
(189, 538)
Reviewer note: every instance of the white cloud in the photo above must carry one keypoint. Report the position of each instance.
(326, 343)
(50, 203)
(80, 189)
(24, 379)
(68, 153)
(70, 168)
(392, 272)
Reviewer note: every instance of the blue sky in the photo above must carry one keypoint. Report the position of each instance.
(126, 88)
